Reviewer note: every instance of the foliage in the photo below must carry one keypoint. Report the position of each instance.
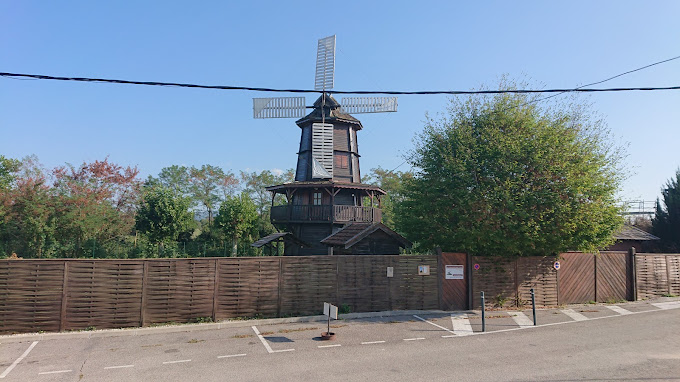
(236, 218)
(162, 215)
(501, 175)
(666, 221)
(391, 182)
(256, 183)
(8, 167)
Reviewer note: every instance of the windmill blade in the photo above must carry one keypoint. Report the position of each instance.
(325, 64)
(322, 150)
(358, 105)
(279, 107)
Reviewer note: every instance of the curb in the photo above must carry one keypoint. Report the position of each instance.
(202, 327)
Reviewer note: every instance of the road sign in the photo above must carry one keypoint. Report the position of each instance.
(454, 272)
(556, 265)
(330, 310)
(476, 267)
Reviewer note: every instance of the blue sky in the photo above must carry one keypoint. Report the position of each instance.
(395, 45)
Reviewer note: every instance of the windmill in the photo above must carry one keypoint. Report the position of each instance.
(327, 196)
(294, 107)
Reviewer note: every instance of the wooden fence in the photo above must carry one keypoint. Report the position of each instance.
(657, 275)
(71, 294)
(581, 278)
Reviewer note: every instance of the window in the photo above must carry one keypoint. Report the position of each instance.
(341, 161)
(316, 198)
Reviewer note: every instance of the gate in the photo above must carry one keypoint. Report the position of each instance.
(453, 268)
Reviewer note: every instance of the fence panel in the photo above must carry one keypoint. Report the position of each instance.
(576, 278)
(362, 282)
(496, 277)
(30, 295)
(247, 287)
(613, 269)
(306, 282)
(537, 273)
(408, 289)
(657, 275)
(103, 294)
(179, 290)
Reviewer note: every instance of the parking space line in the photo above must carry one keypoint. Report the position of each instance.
(521, 319)
(667, 305)
(180, 361)
(618, 309)
(414, 339)
(266, 344)
(118, 367)
(461, 324)
(55, 372)
(328, 346)
(576, 316)
(432, 323)
(15, 363)
(373, 342)
(231, 356)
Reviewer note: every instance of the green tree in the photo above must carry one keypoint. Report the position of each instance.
(392, 183)
(162, 215)
(500, 175)
(210, 185)
(236, 218)
(666, 221)
(8, 168)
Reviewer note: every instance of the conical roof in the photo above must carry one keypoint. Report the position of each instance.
(332, 113)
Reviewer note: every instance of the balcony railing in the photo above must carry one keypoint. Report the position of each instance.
(325, 213)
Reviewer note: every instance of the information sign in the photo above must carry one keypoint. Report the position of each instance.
(455, 272)
(423, 270)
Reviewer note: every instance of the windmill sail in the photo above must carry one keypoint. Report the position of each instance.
(322, 149)
(325, 64)
(358, 105)
(279, 107)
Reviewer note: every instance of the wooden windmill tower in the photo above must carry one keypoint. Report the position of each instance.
(328, 208)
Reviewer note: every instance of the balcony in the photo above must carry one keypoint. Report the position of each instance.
(325, 213)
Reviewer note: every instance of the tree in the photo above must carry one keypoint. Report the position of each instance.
(209, 184)
(8, 167)
(391, 182)
(666, 221)
(256, 183)
(162, 215)
(501, 175)
(236, 218)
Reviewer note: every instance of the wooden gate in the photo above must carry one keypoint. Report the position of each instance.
(576, 278)
(454, 289)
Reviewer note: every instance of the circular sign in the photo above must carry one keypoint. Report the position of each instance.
(556, 265)
(476, 267)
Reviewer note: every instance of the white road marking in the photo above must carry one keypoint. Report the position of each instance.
(667, 305)
(618, 309)
(180, 361)
(432, 323)
(13, 365)
(373, 342)
(521, 319)
(118, 367)
(55, 372)
(231, 356)
(576, 316)
(266, 344)
(461, 324)
(414, 339)
(329, 346)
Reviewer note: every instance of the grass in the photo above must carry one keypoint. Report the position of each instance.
(242, 336)
(296, 330)
(194, 341)
(669, 295)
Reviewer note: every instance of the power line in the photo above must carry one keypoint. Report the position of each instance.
(257, 89)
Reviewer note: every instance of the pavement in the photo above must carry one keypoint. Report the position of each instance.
(365, 343)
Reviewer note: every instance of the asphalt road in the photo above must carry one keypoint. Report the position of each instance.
(597, 343)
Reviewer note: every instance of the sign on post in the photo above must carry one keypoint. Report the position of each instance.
(557, 265)
(454, 272)
(330, 310)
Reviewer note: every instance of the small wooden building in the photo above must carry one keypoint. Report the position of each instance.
(630, 236)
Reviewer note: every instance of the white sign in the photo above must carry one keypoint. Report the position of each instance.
(455, 272)
(390, 271)
(330, 310)
(423, 270)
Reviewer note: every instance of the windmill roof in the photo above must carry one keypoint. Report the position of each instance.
(332, 112)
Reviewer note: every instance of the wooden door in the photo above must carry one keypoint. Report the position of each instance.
(454, 281)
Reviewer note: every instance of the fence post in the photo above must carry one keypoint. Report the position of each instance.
(633, 271)
(216, 284)
(64, 294)
(595, 274)
(142, 305)
(278, 298)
